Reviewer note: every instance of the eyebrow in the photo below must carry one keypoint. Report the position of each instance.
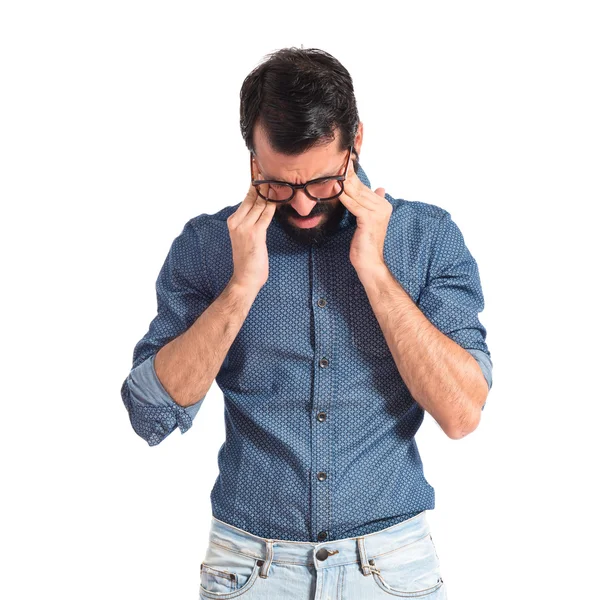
(317, 177)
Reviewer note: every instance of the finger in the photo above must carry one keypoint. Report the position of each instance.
(260, 204)
(245, 205)
(351, 168)
(252, 198)
(264, 188)
(353, 205)
(360, 192)
(267, 214)
(352, 185)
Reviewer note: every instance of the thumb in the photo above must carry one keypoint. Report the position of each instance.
(380, 192)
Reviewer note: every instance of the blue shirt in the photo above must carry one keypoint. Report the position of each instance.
(320, 427)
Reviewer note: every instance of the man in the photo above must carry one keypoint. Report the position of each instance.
(331, 316)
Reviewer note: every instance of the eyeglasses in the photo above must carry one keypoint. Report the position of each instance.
(320, 189)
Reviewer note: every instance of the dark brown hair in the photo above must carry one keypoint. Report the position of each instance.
(300, 97)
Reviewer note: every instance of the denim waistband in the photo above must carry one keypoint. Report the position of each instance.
(320, 554)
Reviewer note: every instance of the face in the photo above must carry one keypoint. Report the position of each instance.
(305, 220)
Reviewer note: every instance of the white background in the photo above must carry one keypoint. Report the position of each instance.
(114, 115)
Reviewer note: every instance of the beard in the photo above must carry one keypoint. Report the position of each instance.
(319, 234)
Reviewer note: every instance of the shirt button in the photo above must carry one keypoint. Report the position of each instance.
(321, 476)
(322, 536)
(321, 416)
(321, 302)
(324, 362)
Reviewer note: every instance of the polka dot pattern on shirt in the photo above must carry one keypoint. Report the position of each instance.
(320, 427)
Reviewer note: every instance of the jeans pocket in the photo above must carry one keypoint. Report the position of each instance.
(412, 571)
(216, 580)
(227, 574)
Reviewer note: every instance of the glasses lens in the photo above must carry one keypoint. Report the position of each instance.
(279, 192)
(325, 190)
(275, 192)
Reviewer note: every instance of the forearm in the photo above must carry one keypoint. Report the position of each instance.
(189, 363)
(440, 375)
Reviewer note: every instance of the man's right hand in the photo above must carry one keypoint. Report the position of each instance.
(248, 232)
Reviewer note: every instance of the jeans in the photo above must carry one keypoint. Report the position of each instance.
(400, 561)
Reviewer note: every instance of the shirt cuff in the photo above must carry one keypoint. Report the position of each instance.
(147, 390)
(486, 365)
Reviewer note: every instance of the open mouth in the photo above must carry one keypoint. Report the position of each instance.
(307, 221)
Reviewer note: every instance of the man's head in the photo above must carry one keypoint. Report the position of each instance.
(299, 118)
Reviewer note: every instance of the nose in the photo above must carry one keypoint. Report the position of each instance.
(302, 204)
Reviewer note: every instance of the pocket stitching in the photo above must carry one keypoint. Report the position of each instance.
(234, 593)
(218, 572)
(393, 592)
(380, 579)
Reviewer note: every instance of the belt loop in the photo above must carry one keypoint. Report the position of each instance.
(264, 568)
(364, 564)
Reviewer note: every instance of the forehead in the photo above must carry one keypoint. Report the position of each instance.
(318, 161)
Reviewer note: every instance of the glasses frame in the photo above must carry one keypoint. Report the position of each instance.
(302, 186)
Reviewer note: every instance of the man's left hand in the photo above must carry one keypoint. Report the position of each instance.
(373, 212)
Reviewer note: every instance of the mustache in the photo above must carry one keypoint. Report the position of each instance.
(289, 211)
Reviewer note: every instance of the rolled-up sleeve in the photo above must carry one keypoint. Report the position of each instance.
(182, 294)
(452, 297)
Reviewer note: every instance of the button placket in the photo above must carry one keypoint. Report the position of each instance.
(324, 343)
